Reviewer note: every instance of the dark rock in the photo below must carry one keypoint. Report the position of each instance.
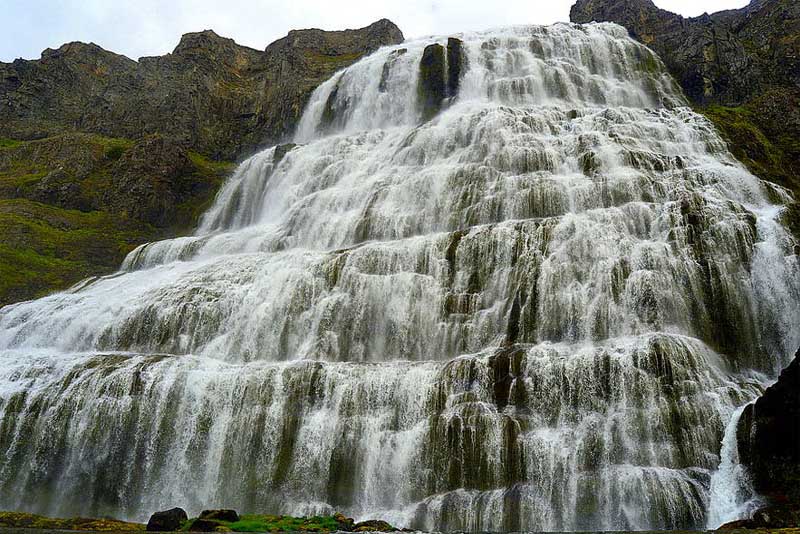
(770, 517)
(456, 65)
(149, 180)
(768, 438)
(387, 68)
(167, 521)
(432, 89)
(220, 515)
(210, 94)
(281, 151)
(345, 523)
(373, 525)
(204, 525)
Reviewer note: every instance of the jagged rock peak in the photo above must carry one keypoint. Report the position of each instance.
(203, 40)
(370, 38)
(79, 49)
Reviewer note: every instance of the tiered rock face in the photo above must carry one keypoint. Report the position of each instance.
(741, 66)
(99, 153)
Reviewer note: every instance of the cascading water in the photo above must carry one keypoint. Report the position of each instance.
(535, 311)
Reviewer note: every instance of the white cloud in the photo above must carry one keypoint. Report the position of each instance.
(153, 27)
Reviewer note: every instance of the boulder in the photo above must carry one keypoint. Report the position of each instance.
(220, 515)
(373, 525)
(432, 86)
(167, 520)
(345, 523)
(770, 517)
(204, 525)
(768, 438)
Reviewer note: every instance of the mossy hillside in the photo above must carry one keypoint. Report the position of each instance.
(57, 223)
(769, 151)
(32, 521)
(45, 247)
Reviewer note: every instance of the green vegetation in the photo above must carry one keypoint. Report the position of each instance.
(57, 223)
(277, 523)
(26, 520)
(45, 247)
(8, 143)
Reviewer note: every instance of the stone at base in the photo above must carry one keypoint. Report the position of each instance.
(777, 516)
(167, 521)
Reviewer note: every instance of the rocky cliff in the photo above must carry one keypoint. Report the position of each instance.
(210, 94)
(741, 68)
(769, 437)
(99, 153)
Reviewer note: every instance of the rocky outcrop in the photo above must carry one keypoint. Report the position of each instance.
(432, 84)
(768, 438)
(440, 72)
(726, 58)
(167, 521)
(210, 94)
(741, 68)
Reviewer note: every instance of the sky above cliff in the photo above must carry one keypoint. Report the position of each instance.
(153, 27)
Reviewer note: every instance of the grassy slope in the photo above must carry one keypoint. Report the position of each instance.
(46, 247)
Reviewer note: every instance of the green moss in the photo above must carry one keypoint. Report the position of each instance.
(331, 60)
(44, 247)
(8, 143)
(277, 523)
(33, 521)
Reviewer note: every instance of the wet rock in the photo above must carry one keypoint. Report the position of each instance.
(167, 520)
(204, 525)
(281, 151)
(373, 525)
(432, 90)
(770, 517)
(456, 65)
(345, 523)
(387, 68)
(768, 437)
(220, 515)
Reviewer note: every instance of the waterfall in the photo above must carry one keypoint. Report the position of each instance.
(732, 494)
(528, 301)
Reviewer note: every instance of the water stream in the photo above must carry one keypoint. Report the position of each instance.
(536, 311)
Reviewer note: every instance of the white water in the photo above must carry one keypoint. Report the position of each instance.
(732, 494)
(536, 311)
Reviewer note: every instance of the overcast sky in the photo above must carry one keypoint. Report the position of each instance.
(138, 28)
